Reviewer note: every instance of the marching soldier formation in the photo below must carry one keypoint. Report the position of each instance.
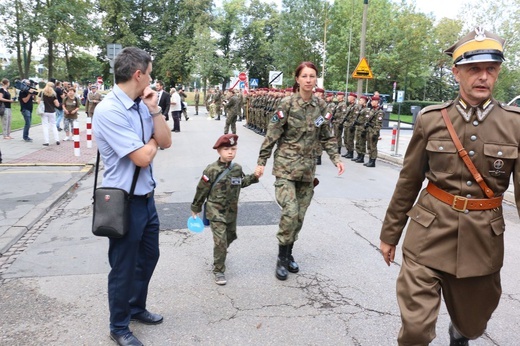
(354, 125)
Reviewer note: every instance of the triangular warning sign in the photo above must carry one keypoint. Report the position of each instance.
(362, 70)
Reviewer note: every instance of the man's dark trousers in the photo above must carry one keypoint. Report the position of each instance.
(133, 259)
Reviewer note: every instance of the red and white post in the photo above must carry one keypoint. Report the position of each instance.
(76, 139)
(89, 132)
(394, 134)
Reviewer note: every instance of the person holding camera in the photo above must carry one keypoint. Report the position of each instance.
(26, 98)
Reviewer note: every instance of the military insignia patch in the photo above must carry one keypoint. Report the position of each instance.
(280, 114)
(236, 181)
(320, 120)
(275, 119)
(328, 116)
(205, 178)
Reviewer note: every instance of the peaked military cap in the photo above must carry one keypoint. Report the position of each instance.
(477, 46)
(228, 140)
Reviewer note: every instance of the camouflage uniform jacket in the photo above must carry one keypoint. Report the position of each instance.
(340, 112)
(300, 131)
(351, 115)
(222, 198)
(233, 106)
(375, 119)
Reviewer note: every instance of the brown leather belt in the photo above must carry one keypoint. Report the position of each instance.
(460, 203)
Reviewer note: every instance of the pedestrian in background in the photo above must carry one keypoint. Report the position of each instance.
(163, 99)
(196, 99)
(184, 105)
(300, 130)
(220, 185)
(176, 107)
(60, 95)
(49, 98)
(5, 98)
(26, 98)
(129, 128)
(93, 99)
(71, 105)
(454, 243)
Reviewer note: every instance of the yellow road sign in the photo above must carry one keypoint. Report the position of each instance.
(362, 70)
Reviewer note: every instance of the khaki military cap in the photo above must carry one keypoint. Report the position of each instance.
(477, 46)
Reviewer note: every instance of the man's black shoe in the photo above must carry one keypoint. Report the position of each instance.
(127, 339)
(147, 317)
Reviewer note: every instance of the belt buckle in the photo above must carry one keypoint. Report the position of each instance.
(459, 198)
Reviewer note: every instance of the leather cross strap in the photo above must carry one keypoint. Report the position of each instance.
(462, 204)
(464, 155)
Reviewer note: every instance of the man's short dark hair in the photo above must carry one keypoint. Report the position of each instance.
(160, 82)
(128, 61)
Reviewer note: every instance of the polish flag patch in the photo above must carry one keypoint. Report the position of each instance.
(280, 115)
(328, 116)
(205, 178)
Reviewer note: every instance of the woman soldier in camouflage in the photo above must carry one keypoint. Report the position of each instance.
(300, 128)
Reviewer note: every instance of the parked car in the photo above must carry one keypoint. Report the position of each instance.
(515, 102)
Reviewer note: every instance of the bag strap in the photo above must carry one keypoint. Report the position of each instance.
(222, 175)
(464, 155)
(134, 180)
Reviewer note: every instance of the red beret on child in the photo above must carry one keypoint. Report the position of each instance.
(228, 140)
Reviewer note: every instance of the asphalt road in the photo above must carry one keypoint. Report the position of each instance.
(53, 279)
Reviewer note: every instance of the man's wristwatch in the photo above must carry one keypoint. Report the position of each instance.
(159, 112)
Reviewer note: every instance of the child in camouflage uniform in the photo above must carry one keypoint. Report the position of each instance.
(220, 185)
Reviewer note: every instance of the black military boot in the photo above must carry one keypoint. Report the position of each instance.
(354, 158)
(339, 150)
(282, 262)
(360, 159)
(370, 163)
(456, 339)
(349, 154)
(292, 266)
(318, 160)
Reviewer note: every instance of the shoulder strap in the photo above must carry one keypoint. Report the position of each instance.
(134, 180)
(464, 155)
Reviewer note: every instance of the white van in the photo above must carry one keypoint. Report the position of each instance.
(515, 102)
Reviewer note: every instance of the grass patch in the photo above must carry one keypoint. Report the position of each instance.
(17, 121)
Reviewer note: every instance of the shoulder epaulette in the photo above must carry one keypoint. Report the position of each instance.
(509, 108)
(436, 107)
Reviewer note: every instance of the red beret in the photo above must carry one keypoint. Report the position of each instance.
(330, 95)
(363, 97)
(352, 94)
(375, 98)
(288, 90)
(340, 93)
(319, 90)
(228, 140)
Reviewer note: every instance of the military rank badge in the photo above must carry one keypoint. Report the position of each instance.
(320, 120)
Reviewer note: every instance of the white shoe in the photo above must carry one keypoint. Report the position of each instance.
(65, 139)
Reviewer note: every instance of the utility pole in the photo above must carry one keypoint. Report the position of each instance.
(363, 39)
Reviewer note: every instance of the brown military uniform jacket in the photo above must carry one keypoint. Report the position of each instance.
(465, 244)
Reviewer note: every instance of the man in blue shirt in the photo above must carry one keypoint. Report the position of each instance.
(129, 128)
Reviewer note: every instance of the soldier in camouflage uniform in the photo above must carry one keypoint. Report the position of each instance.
(218, 97)
(196, 98)
(232, 106)
(222, 199)
(361, 132)
(339, 114)
(300, 130)
(349, 129)
(373, 127)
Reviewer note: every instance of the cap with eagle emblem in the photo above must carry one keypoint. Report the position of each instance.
(477, 46)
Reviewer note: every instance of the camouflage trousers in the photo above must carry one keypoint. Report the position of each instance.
(372, 139)
(294, 197)
(231, 121)
(349, 133)
(361, 140)
(338, 130)
(223, 235)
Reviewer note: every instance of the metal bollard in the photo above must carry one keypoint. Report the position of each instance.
(89, 132)
(76, 139)
(394, 134)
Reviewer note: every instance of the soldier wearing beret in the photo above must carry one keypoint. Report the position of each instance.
(232, 107)
(300, 129)
(373, 126)
(454, 243)
(220, 186)
(360, 117)
(349, 128)
(340, 111)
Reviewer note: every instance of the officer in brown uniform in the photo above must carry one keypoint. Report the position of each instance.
(454, 243)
